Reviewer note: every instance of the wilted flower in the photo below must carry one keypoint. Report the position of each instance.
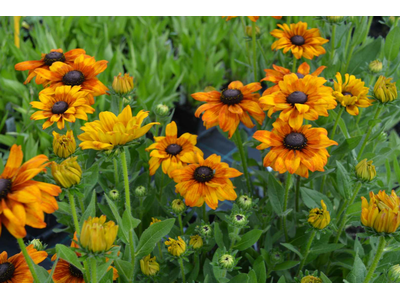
(123, 84)
(394, 274)
(196, 241)
(67, 173)
(154, 220)
(176, 247)
(365, 170)
(178, 206)
(244, 202)
(319, 217)
(385, 90)
(97, 235)
(140, 191)
(311, 279)
(375, 66)
(226, 261)
(64, 145)
(149, 266)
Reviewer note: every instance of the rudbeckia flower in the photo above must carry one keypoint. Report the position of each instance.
(60, 104)
(298, 99)
(294, 150)
(15, 269)
(24, 201)
(277, 74)
(352, 93)
(300, 40)
(176, 247)
(64, 145)
(46, 61)
(229, 107)
(82, 71)
(173, 152)
(319, 217)
(206, 181)
(110, 130)
(149, 265)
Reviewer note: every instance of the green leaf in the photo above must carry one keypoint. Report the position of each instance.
(69, 255)
(129, 222)
(326, 248)
(358, 272)
(347, 145)
(124, 268)
(103, 268)
(248, 239)
(324, 278)
(293, 249)
(240, 278)
(275, 193)
(312, 198)
(252, 277)
(218, 236)
(195, 271)
(282, 279)
(260, 269)
(121, 232)
(42, 274)
(152, 235)
(392, 44)
(286, 265)
(343, 181)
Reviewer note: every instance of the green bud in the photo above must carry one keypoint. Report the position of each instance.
(178, 206)
(394, 274)
(162, 110)
(244, 202)
(226, 261)
(37, 244)
(239, 220)
(140, 191)
(114, 194)
(206, 230)
(276, 256)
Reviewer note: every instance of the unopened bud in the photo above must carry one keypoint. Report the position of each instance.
(365, 170)
(245, 202)
(178, 206)
(140, 191)
(375, 66)
(162, 110)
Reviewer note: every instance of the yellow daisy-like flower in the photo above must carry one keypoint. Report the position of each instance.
(301, 41)
(298, 99)
(176, 247)
(122, 84)
(67, 173)
(385, 90)
(64, 103)
(382, 212)
(319, 217)
(352, 93)
(206, 181)
(64, 145)
(172, 152)
(149, 265)
(110, 130)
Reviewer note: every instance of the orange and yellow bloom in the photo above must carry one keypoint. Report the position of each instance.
(294, 150)
(64, 145)
(231, 106)
(207, 181)
(172, 152)
(97, 235)
(319, 218)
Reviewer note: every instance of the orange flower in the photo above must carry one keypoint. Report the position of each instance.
(173, 152)
(15, 269)
(82, 71)
(277, 75)
(229, 107)
(206, 181)
(46, 61)
(294, 150)
(300, 40)
(24, 201)
(298, 99)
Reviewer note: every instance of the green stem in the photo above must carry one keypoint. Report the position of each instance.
(159, 250)
(93, 265)
(378, 112)
(297, 192)
(87, 270)
(247, 46)
(116, 177)
(233, 240)
(239, 144)
(294, 65)
(285, 204)
(182, 270)
(28, 260)
(337, 122)
(223, 275)
(346, 48)
(121, 100)
(205, 213)
(126, 182)
(306, 251)
(378, 255)
(368, 26)
(350, 202)
(73, 211)
(253, 35)
(332, 56)
(132, 250)
(161, 189)
(180, 222)
(262, 51)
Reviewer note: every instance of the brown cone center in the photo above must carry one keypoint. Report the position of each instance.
(297, 40)
(297, 97)
(295, 141)
(59, 107)
(203, 174)
(5, 187)
(347, 93)
(75, 271)
(299, 75)
(52, 57)
(173, 149)
(7, 270)
(73, 78)
(231, 96)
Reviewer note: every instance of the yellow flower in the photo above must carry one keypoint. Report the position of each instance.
(149, 266)
(122, 84)
(352, 93)
(64, 145)
(365, 170)
(385, 90)
(154, 220)
(311, 279)
(110, 130)
(319, 217)
(382, 212)
(375, 66)
(97, 235)
(196, 241)
(67, 173)
(176, 247)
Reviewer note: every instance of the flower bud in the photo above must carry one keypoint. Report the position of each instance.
(335, 19)
(319, 218)
(37, 244)
(385, 90)
(122, 84)
(206, 230)
(276, 257)
(176, 247)
(196, 241)
(178, 206)
(149, 266)
(64, 145)
(154, 220)
(97, 235)
(394, 274)
(365, 170)
(162, 110)
(239, 220)
(375, 66)
(311, 279)
(140, 191)
(226, 261)
(245, 202)
(249, 31)
(67, 173)
(114, 194)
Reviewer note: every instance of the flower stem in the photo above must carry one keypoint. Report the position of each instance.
(339, 115)
(285, 203)
(332, 56)
(297, 192)
(350, 202)
(28, 260)
(378, 112)
(116, 177)
(126, 182)
(73, 211)
(233, 240)
(93, 266)
(180, 222)
(306, 251)
(132, 250)
(294, 65)
(239, 144)
(253, 36)
(205, 213)
(262, 51)
(182, 270)
(159, 250)
(378, 255)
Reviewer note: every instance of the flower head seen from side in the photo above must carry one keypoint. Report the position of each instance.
(14, 269)
(352, 93)
(67, 173)
(196, 241)
(295, 150)
(149, 265)
(232, 105)
(97, 235)
(277, 74)
(301, 41)
(46, 61)
(171, 152)
(176, 247)
(111, 131)
(299, 99)
(319, 218)
(83, 71)
(60, 105)
(207, 181)
(365, 170)
(64, 145)
(122, 84)
(382, 212)
(24, 201)
(385, 90)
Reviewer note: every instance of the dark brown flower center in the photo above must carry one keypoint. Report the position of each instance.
(7, 270)
(299, 75)
(52, 57)
(231, 96)
(239, 217)
(297, 97)
(297, 40)
(173, 149)
(75, 271)
(73, 78)
(347, 93)
(5, 187)
(295, 141)
(203, 174)
(59, 107)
